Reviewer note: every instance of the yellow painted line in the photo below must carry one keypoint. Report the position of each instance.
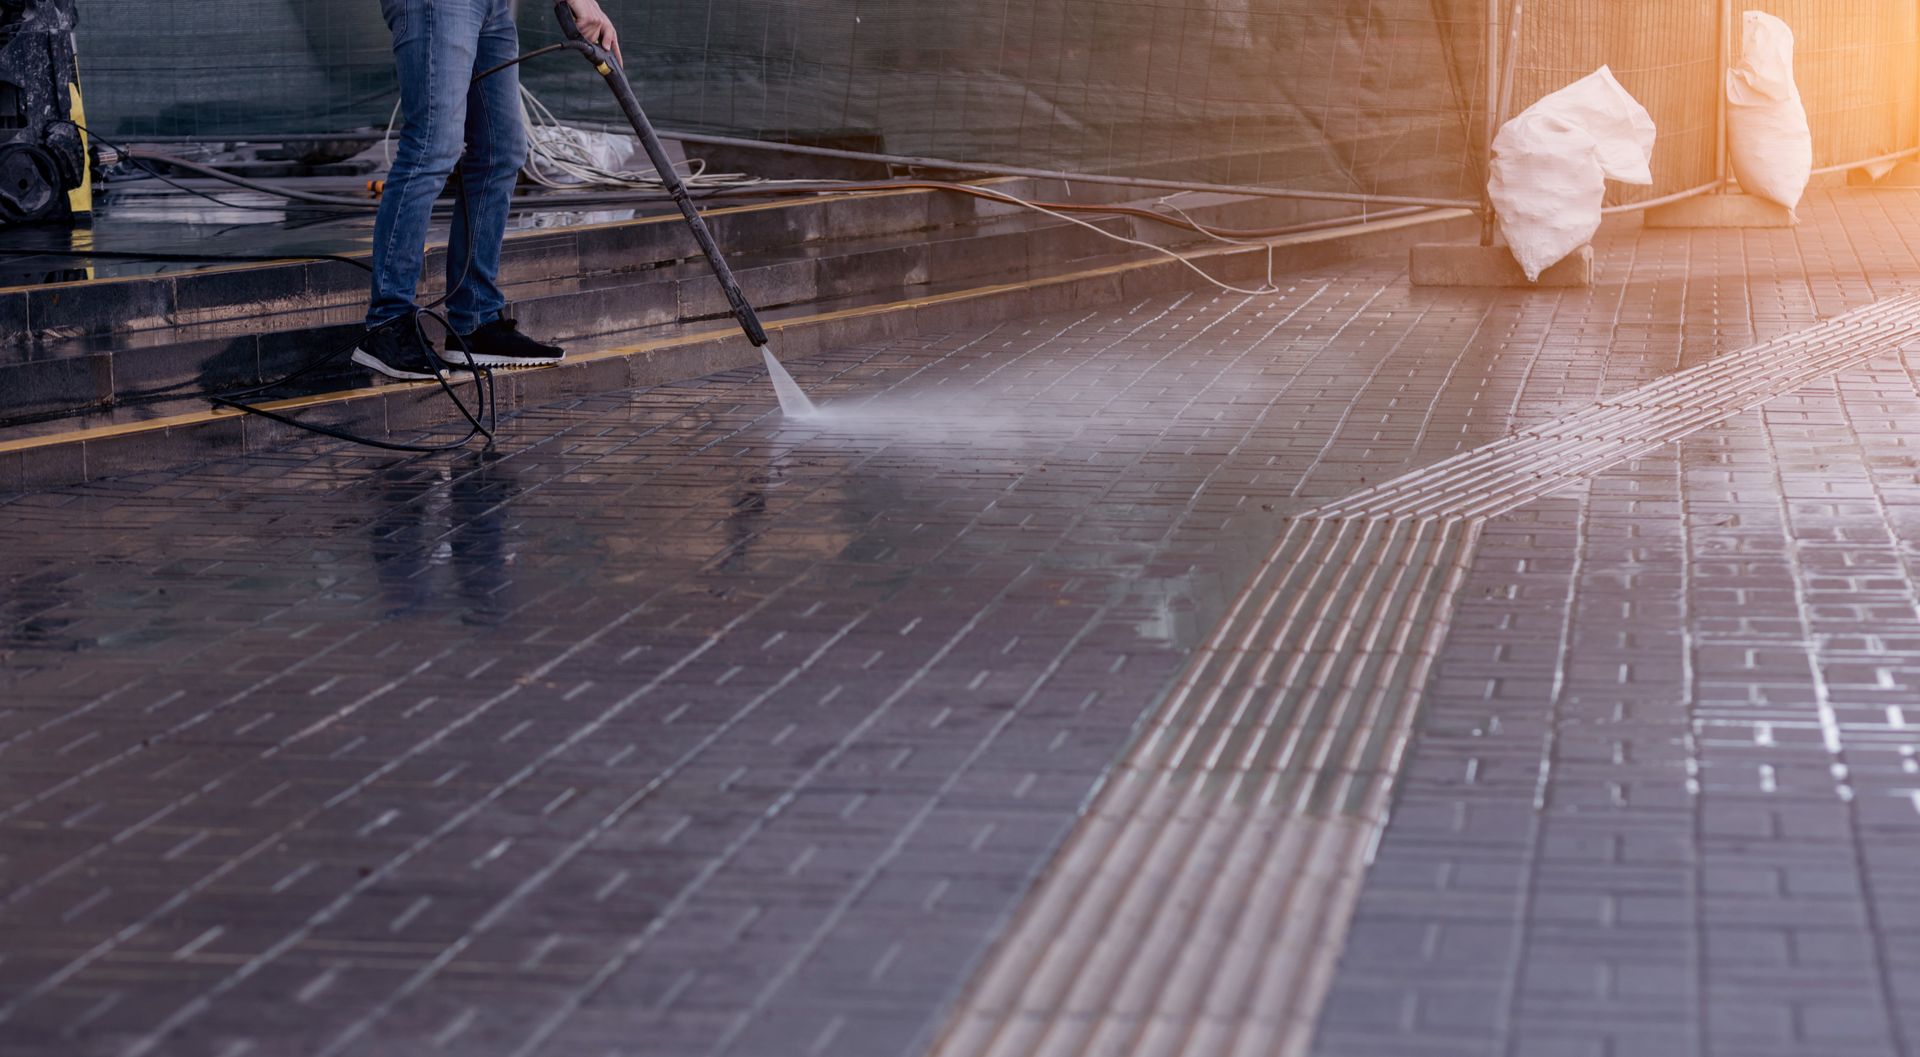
(664, 218)
(701, 337)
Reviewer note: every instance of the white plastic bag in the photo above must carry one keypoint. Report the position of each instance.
(1547, 187)
(1551, 164)
(1768, 140)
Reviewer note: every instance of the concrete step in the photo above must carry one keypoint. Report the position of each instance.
(40, 313)
(84, 308)
(68, 376)
(131, 439)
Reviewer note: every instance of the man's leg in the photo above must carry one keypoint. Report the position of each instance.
(434, 48)
(496, 142)
(496, 149)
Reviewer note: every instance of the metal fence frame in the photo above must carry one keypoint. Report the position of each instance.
(1511, 15)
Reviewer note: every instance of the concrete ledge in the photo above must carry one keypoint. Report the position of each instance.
(1720, 211)
(1467, 264)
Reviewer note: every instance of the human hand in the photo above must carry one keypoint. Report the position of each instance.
(596, 26)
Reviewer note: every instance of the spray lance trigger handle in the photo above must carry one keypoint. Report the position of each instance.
(570, 26)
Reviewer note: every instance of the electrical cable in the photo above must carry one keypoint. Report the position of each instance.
(1184, 261)
(522, 202)
(187, 258)
(995, 169)
(1181, 220)
(560, 158)
(138, 158)
(727, 185)
(293, 194)
(156, 174)
(723, 185)
(956, 166)
(488, 404)
(771, 188)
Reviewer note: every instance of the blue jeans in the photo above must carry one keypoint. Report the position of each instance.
(438, 45)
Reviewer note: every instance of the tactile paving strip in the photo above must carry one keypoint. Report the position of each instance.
(1202, 902)
(1536, 462)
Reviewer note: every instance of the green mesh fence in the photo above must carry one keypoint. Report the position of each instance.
(1370, 96)
(1857, 70)
(1663, 51)
(1855, 61)
(234, 67)
(1352, 95)
(1374, 96)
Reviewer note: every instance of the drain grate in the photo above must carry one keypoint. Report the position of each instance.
(1201, 904)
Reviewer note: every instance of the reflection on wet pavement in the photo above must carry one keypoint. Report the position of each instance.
(662, 642)
(430, 519)
(679, 728)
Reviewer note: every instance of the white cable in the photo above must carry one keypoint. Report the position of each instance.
(560, 156)
(1167, 201)
(386, 141)
(1187, 262)
(564, 149)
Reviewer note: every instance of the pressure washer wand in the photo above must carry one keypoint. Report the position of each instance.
(609, 68)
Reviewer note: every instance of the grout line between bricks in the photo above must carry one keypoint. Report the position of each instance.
(1104, 948)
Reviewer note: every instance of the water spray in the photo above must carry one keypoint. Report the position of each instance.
(793, 401)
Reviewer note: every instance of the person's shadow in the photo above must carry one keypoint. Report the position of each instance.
(431, 515)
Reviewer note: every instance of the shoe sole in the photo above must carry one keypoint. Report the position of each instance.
(481, 359)
(376, 364)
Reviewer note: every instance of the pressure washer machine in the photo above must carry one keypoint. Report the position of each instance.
(44, 173)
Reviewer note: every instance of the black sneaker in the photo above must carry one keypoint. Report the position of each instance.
(500, 344)
(399, 350)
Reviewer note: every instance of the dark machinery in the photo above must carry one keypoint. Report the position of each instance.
(43, 154)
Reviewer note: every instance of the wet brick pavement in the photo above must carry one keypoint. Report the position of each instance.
(682, 730)
(1680, 815)
(1665, 799)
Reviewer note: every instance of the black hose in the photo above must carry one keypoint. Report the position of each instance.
(188, 258)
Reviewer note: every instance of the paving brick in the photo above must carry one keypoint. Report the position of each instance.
(679, 728)
(1727, 624)
(673, 701)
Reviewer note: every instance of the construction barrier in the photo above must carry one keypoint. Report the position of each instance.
(1360, 97)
